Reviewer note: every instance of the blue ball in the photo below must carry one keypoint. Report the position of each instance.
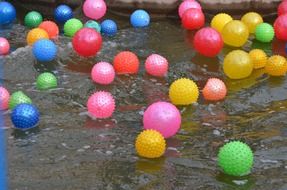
(7, 13)
(25, 116)
(109, 27)
(63, 13)
(44, 50)
(140, 18)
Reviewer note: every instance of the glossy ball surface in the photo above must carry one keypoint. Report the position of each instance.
(264, 32)
(282, 8)
(44, 50)
(93, 24)
(18, 97)
(214, 90)
(46, 81)
(109, 27)
(220, 20)
(259, 58)
(4, 46)
(35, 35)
(33, 19)
(95, 9)
(251, 20)
(72, 26)
(101, 104)
(276, 66)
(4, 98)
(280, 27)
(193, 19)
(51, 28)
(126, 62)
(235, 33)
(156, 65)
(103, 73)
(185, 5)
(139, 19)
(63, 13)
(7, 12)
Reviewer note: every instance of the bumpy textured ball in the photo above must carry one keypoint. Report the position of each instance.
(280, 27)
(156, 65)
(264, 32)
(46, 81)
(259, 58)
(25, 116)
(126, 62)
(185, 5)
(214, 90)
(139, 19)
(282, 8)
(4, 46)
(7, 12)
(109, 27)
(235, 33)
(193, 19)
(220, 20)
(150, 144)
(63, 13)
(44, 50)
(251, 20)
(72, 26)
(101, 104)
(183, 92)
(18, 98)
(4, 98)
(33, 19)
(35, 35)
(95, 9)
(235, 158)
(276, 66)
(51, 28)
(103, 73)
(93, 24)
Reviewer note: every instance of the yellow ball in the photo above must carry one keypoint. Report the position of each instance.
(235, 33)
(220, 20)
(36, 34)
(183, 92)
(258, 57)
(251, 20)
(237, 64)
(276, 66)
(150, 144)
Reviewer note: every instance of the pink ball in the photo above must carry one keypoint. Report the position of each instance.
(101, 104)
(4, 46)
(280, 27)
(282, 8)
(163, 117)
(103, 73)
(95, 9)
(156, 65)
(4, 98)
(187, 5)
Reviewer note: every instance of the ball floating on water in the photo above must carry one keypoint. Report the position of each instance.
(280, 27)
(4, 98)
(4, 46)
(214, 90)
(109, 27)
(44, 50)
(126, 62)
(258, 57)
(63, 13)
(208, 42)
(18, 97)
(282, 8)
(156, 65)
(264, 32)
(251, 20)
(46, 81)
(276, 66)
(235, 158)
(103, 73)
(7, 12)
(33, 19)
(95, 9)
(220, 20)
(51, 28)
(72, 26)
(185, 5)
(93, 24)
(150, 144)
(35, 35)
(235, 33)
(193, 19)
(140, 18)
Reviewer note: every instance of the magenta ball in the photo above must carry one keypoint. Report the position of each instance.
(162, 117)
(156, 65)
(101, 104)
(95, 9)
(280, 27)
(4, 46)
(208, 42)
(103, 73)
(185, 5)
(4, 98)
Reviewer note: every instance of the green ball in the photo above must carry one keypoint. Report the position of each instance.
(72, 26)
(33, 19)
(235, 158)
(94, 25)
(18, 98)
(46, 81)
(264, 32)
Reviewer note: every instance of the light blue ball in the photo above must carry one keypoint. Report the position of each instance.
(93, 24)
(63, 13)
(7, 13)
(140, 18)
(44, 50)
(109, 27)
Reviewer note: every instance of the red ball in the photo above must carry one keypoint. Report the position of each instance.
(208, 42)
(280, 27)
(282, 8)
(126, 62)
(87, 42)
(193, 19)
(51, 28)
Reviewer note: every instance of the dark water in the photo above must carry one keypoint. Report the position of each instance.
(71, 151)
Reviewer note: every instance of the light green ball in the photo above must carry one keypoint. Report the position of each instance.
(18, 97)
(264, 32)
(46, 81)
(235, 158)
(72, 26)
(33, 19)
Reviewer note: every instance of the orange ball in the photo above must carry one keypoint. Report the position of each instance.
(126, 62)
(51, 28)
(36, 34)
(214, 90)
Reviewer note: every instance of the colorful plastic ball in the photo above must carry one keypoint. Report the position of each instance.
(33, 19)
(220, 20)
(103, 73)
(72, 26)
(282, 8)
(18, 98)
(185, 5)
(87, 42)
(140, 18)
(51, 28)
(7, 12)
(4, 98)
(101, 104)
(264, 32)
(259, 58)
(63, 13)
(93, 24)
(25, 116)
(235, 158)
(95, 9)
(183, 92)
(150, 144)
(109, 27)
(126, 62)
(193, 19)
(35, 35)
(235, 33)
(156, 65)
(276, 66)
(4, 46)
(251, 20)
(280, 27)
(44, 50)
(237, 64)
(208, 42)
(46, 81)
(162, 117)
(214, 90)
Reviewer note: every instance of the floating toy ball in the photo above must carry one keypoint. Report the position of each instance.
(150, 144)
(18, 98)
(208, 42)
(46, 81)
(139, 18)
(33, 19)
(87, 42)
(63, 13)
(101, 104)
(126, 62)
(162, 117)
(264, 32)
(25, 116)
(44, 50)
(276, 66)
(7, 12)
(258, 57)
(235, 158)
(282, 8)
(103, 73)
(235, 33)
(237, 64)
(156, 65)
(51, 28)
(4, 98)
(72, 26)
(220, 20)
(280, 27)
(214, 90)
(35, 35)
(185, 5)
(109, 27)
(95, 9)
(251, 20)
(193, 19)
(93, 24)
(183, 92)
(4, 46)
